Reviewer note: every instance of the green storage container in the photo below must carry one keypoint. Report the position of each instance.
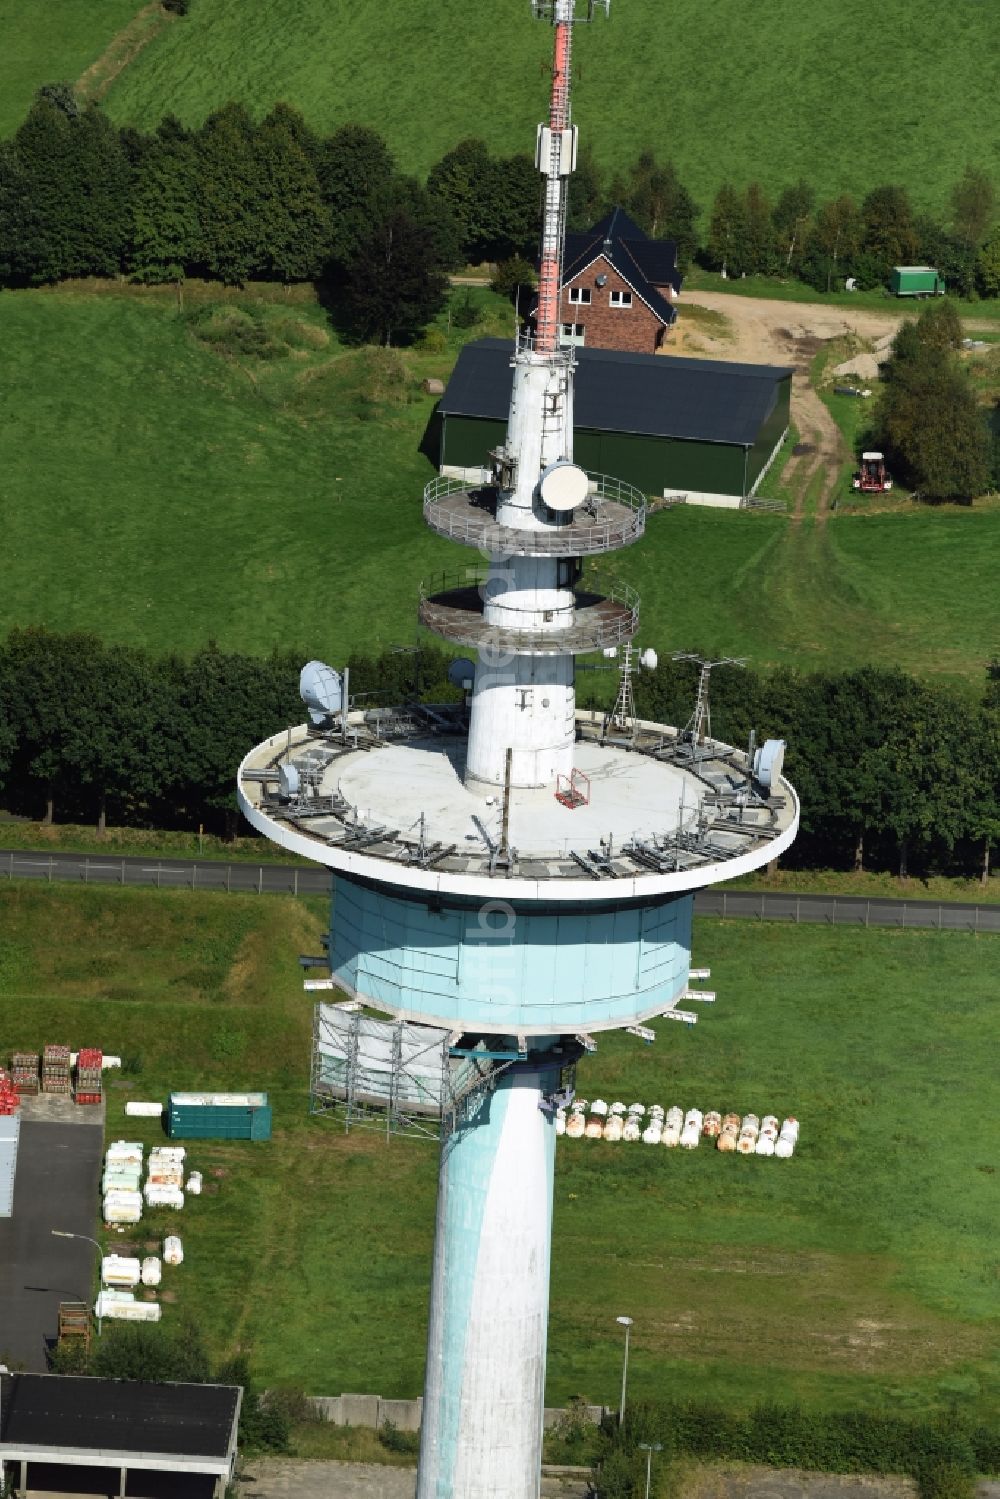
(916, 281)
(219, 1116)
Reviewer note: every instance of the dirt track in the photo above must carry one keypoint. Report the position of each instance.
(772, 332)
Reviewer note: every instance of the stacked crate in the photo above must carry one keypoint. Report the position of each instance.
(55, 1069)
(24, 1066)
(88, 1075)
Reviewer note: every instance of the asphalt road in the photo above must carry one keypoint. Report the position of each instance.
(286, 879)
(58, 1175)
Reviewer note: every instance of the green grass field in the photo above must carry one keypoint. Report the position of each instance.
(51, 43)
(730, 91)
(163, 492)
(862, 1271)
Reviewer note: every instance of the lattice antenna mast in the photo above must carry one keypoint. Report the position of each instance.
(623, 712)
(556, 159)
(699, 726)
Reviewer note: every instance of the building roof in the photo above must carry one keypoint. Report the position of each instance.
(645, 263)
(706, 400)
(117, 1415)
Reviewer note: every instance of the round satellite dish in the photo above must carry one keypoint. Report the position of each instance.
(288, 780)
(462, 673)
(649, 659)
(768, 761)
(321, 690)
(563, 486)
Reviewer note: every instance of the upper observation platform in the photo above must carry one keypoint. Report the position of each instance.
(385, 800)
(612, 516)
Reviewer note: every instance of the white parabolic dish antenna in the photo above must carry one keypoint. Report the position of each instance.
(563, 486)
(768, 762)
(321, 690)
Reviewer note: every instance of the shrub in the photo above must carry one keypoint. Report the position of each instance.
(394, 1440)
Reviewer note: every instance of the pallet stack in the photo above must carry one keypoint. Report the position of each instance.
(88, 1075)
(9, 1099)
(55, 1069)
(24, 1066)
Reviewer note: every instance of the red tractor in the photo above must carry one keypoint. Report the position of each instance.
(872, 477)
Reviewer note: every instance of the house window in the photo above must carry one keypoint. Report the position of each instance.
(621, 299)
(572, 333)
(580, 294)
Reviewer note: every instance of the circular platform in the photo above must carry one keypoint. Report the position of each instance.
(612, 516)
(599, 620)
(391, 805)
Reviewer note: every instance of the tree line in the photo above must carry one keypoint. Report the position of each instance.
(892, 772)
(823, 243)
(238, 199)
(944, 1454)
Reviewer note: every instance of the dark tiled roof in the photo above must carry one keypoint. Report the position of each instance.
(706, 400)
(59, 1410)
(645, 263)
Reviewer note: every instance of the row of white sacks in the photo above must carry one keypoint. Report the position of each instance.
(165, 1186)
(746, 1135)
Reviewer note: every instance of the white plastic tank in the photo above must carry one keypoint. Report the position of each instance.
(652, 1134)
(165, 1174)
(671, 1135)
(120, 1270)
(783, 1148)
(125, 1150)
(750, 1122)
(575, 1126)
(746, 1144)
(599, 1107)
(168, 1152)
(675, 1118)
(121, 1179)
(731, 1121)
(614, 1128)
(712, 1127)
(560, 1130)
(617, 1107)
(595, 1128)
(690, 1135)
(726, 1141)
(173, 1250)
(769, 1121)
(161, 1195)
(152, 1270)
(633, 1129)
(122, 1207)
(694, 1119)
(765, 1145)
(136, 1110)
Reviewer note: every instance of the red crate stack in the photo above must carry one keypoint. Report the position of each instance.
(9, 1100)
(55, 1069)
(88, 1075)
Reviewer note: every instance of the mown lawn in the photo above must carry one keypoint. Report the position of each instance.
(862, 1271)
(730, 91)
(164, 489)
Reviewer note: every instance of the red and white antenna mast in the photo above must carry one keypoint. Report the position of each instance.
(556, 158)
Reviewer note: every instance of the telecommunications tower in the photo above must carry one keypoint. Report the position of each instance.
(510, 876)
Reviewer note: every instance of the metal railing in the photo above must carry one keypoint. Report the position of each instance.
(606, 613)
(613, 515)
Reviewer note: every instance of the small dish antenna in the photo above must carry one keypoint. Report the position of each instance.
(563, 486)
(649, 659)
(768, 762)
(321, 689)
(462, 673)
(610, 653)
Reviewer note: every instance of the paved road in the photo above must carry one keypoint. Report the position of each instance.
(58, 1174)
(288, 879)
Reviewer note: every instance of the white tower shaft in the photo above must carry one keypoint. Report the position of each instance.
(526, 701)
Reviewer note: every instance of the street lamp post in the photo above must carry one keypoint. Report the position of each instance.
(625, 1322)
(649, 1448)
(60, 1233)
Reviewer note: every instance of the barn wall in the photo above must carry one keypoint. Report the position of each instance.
(771, 432)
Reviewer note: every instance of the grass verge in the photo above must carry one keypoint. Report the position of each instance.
(862, 1272)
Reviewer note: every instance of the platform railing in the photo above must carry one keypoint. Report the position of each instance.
(594, 528)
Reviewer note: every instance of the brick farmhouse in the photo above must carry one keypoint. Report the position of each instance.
(618, 287)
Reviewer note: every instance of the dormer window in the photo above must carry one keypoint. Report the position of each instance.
(621, 299)
(580, 294)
